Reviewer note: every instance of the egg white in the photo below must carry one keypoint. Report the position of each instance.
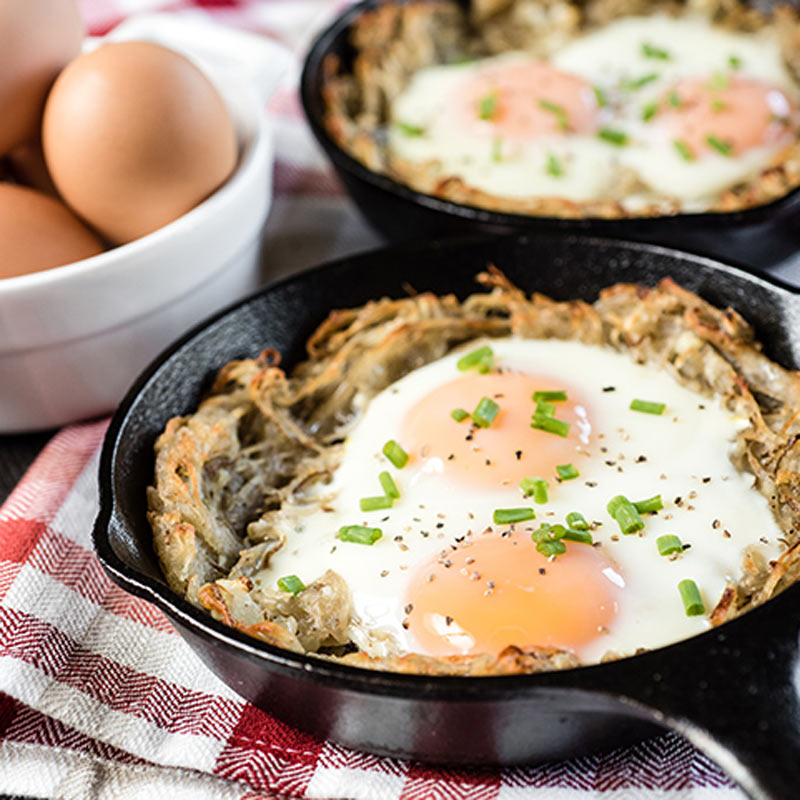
(681, 454)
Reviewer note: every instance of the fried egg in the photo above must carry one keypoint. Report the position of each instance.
(644, 108)
(446, 576)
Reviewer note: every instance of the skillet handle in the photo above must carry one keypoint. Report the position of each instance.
(733, 693)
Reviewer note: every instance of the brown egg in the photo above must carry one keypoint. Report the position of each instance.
(37, 38)
(38, 232)
(134, 136)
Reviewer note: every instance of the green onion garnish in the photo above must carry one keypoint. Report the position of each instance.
(637, 83)
(558, 396)
(601, 96)
(649, 111)
(650, 505)
(395, 454)
(692, 601)
(291, 584)
(567, 472)
(543, 422)
(476, 359)
(683, 150)
(718, 81)
(721, 147)
(647, 407)
(407, 129)
(668, 545)
(388, 485)
(485, 412)
(497, 149)
(554, 167)
(625, 514)
(549, 549)
(507, 516)
(359, 534)
(548, 533)
(487, 105)
(558, 111)
(536, 487)
(572, 535)
(546, 409)
(459, 414)
(734, 62)
(577, 521)
(617, 138)
(674, 99)
(651, 51)
(717, 105)
(375, 503)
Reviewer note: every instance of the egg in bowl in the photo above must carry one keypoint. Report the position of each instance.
(565, 110)
(311, 511)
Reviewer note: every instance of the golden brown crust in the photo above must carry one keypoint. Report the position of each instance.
(229, 476)
(397, 39)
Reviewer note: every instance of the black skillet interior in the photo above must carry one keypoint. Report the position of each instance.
(757, 238)
(730, 691)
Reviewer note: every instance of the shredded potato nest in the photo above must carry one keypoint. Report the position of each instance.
(227, 476)
(397, 39)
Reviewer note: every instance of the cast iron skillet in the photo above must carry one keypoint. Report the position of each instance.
(731, 691)
(756, 238)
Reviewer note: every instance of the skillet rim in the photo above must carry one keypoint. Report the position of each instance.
(330, 673)
(310, 95)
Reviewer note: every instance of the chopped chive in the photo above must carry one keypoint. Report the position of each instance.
(636, 83)
(721, 147)
(375, 503)
(476, 358)
(674, 99)
(497, 149)
(536, 487)
(649, 111)
(554, 167)
(507, 516)
(650, 505)
(359, 534)
(407, 129)
(718, 81)
(557, 396)
(558, 111)
(291, 584)
(459, 414)
(567, 472)
(388, 485)
(487, 105)
(549, 549)
(668, 545)
(543, 422)
(617, 138)
(647, 407)
(625, 514)
(485, 412)
(395, 454)
(717, 105)
(577, 521)
(651, 51)
(601, 96)
(547, 409)
(692, 601)
(734, 62)
(572, 535)
(548, 533)
(683, 150)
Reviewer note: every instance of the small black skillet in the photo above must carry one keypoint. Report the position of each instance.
(758, 238)
(731, 691)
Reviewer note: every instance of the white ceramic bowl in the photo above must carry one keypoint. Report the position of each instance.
(73, 338)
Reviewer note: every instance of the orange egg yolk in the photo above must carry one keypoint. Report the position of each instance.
(739, 113)
(509, 449)
(497, 590)
(525, 101)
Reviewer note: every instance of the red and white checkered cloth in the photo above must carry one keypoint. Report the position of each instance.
(100, 698)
